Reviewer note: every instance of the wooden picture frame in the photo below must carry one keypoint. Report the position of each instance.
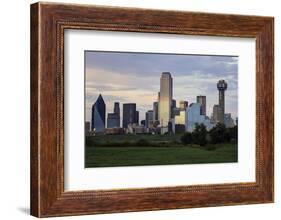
(48, 22)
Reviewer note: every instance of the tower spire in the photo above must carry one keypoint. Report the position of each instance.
(222, 86)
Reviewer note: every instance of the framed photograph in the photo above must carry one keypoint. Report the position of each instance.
(138, 109)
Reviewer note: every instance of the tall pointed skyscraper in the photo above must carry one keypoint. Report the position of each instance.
(98, 115)
(165, 99)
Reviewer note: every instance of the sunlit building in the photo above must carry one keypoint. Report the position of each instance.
(165, 99)
(183, 105)
(181, 118)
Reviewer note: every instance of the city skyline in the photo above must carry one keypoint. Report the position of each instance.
(134, 78)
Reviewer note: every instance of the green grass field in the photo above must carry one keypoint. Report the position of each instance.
(131, 150)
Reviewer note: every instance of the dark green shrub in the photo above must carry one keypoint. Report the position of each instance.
(210, 147)
(199, 135)
(186, 138)
(142, 142)
(218, 134)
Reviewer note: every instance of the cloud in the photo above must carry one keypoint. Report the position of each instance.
(108, 87)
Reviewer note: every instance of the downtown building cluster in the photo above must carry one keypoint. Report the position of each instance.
(164, 117)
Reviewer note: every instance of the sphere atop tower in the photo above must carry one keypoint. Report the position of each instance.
(222, 85)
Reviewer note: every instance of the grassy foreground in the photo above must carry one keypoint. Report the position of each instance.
(159, 150)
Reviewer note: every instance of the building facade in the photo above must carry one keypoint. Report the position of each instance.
(155, 111)
(181, 118)
(202, 101)
(165, 99)
(215, 115)
(183, 105)
(113, 119)
(130, 115)
(98, 115)
(116, 108)
(194, 117)
(149, 119)
(228, 121)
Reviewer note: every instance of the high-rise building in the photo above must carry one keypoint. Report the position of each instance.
(98, 115)
(149, 119)
(180, 119)
(202, 100)
(175, 112)
(113, 119)
(155, 111)
(130, 115)
(116, 109)
(194, 117)
(165, 99)
(183, 105)
(174, 103)
(222, 86)
(215, 116)
(137, 117)
(228, 121)
(174, 109)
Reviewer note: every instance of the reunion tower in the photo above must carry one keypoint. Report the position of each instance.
(222, 86)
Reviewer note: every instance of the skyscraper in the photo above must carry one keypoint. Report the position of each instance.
(98, 115)
(130, 115)
(149, 119)
(215, 116)
(165, 99)
(116, 109)
(137, 117)
(183, 105)
(174, 103)
(228, 121)
(194, 117)
(155, 111)
(222, 86)
(113, 119)
(202, 100)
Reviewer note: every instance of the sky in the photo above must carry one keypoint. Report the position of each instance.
(135, 77)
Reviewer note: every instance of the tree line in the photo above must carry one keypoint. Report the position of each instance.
(218, 134)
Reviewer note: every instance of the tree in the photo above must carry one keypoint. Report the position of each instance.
(199, 135)
(232, 134)
(218, 134)
(186, 138)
